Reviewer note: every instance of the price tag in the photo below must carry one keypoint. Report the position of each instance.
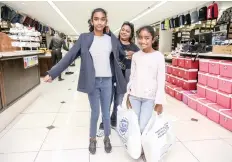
(30, 61)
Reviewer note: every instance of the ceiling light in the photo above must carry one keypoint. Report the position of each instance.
(145, 13)
(62, 15)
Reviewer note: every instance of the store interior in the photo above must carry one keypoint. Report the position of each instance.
(42, 122)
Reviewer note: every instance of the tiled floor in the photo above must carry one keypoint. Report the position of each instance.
(27, 138)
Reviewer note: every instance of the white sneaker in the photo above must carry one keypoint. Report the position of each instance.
(100, 133)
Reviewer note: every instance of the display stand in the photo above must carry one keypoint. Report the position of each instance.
(19, 72)
(209, 55)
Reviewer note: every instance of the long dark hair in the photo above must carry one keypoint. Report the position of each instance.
(132, 30)
(91, 27)
(148, 28)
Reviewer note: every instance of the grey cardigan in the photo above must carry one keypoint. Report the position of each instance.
(86, 81)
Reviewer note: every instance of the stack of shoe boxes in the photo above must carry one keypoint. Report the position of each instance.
(181, 77)
(215, 87)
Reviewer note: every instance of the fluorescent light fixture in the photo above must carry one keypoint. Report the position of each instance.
(145, 13)
(62, 15)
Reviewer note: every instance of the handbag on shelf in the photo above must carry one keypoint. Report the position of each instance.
(212, 11)
(182, 20)
(194, 17)
(202, 14)
(187, 19)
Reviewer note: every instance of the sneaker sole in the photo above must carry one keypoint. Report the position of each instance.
(108, 152)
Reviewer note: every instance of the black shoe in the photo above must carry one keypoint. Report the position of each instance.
(72, 65)
(108, 147)
(92, 146)
(60, 79)
(113, 124)
(69, 73)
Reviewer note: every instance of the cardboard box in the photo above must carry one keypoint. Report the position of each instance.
(222, 49)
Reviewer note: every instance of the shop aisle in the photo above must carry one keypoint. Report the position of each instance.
(51, 131)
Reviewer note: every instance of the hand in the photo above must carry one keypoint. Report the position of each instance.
(47, 79)
(158, 108)
(130, 54)
(128, 104)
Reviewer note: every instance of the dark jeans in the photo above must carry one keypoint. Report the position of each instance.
(117, 98)
(100, 95)
(56, 57)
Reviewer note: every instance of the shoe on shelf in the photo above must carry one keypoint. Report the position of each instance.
(92, 146)
(107, 145)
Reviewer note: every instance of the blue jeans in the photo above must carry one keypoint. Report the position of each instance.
(117, 99)
(101, 95)
(143, 108)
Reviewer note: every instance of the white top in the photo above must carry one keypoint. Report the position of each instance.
(100, 50)
(147, 78)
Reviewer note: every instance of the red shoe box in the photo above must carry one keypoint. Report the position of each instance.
(175, 61)
(179, 82)
(190, 85)
(167, 86)
(212, 81)
(226, 119)
(201, 90)
(190, 74)
(224, 99)
(211, 94)
(186, 95)
(202, 106)
(214, 67)
(204, 65)
(214, 112)
(173, 80)
(166, 89)
(175, 71)
(181, 62)
(191, 64)
(171, 90)
(226, 69)
(179, 94)
(202, 78)
(225, 84)
(180, 72)
(168, 78)
(169, 69)
(192, 101)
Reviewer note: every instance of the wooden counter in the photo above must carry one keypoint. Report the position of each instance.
(15, 80)
(45, 63)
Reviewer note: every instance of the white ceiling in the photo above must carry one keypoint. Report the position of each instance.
(78, 12)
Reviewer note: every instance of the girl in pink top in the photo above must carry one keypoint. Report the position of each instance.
(147, 80)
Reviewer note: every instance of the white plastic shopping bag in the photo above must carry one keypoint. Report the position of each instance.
(157, 138)
(129, 131)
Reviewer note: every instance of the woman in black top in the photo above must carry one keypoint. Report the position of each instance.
(125, 36)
